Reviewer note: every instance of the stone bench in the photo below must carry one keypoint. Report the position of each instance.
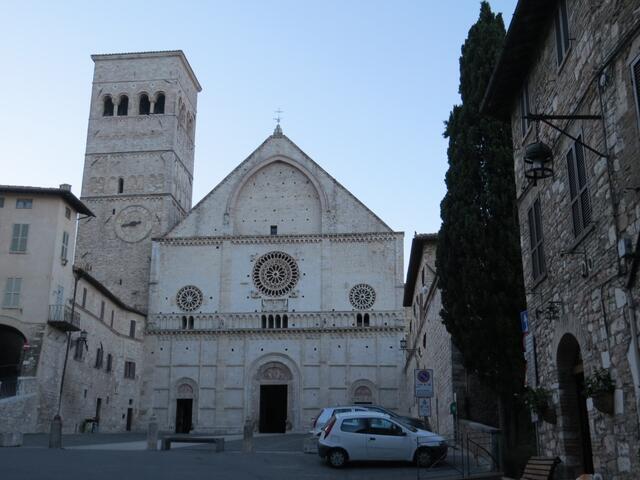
(167, 440)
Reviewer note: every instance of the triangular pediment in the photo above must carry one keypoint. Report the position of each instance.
(278, 186)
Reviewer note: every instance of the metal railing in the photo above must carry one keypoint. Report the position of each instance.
(470, 456)
(61, 314)
(8, 387)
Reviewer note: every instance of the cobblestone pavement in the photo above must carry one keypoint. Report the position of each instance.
(276, 457)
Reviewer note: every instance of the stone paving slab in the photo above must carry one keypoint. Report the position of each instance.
(122, 456)
(185, 464)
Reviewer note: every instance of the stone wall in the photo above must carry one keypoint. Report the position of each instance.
(152, 154)
(223, 372)
(583, 294)
(86, 381)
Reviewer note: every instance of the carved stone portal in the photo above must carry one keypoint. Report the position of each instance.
(185, 391)
(275, 371)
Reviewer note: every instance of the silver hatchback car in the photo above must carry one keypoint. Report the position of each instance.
(325, 414)
(377, 436)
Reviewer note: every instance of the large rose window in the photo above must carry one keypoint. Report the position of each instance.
(275, 274)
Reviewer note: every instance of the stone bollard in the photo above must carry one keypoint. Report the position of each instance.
(152, 434)
(55, 434)
(247, 441)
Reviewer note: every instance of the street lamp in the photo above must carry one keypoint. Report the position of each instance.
(538, 157)
(55, 434)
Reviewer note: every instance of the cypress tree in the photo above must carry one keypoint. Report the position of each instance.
(478, 257)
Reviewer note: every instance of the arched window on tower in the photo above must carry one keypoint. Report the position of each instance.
(159, 107)
(285, 321)
(144, 107)
(264, 321)
(107, 106)
(190, 126)
(270, 321)
(191, 322)
(278, 322)
(359, 320)
(120, 185)
(366, 319)
(182, 116)
(123, 106)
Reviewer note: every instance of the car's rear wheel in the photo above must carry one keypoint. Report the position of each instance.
(337, 458)
(424, 457)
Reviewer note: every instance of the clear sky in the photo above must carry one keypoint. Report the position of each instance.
(365, 87)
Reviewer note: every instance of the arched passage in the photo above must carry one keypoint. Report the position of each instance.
(574, 418)
(11, 348)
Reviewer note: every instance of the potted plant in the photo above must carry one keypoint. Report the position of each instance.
(600, 387)
(538, 400)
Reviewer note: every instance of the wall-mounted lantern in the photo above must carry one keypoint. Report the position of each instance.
(538, 158)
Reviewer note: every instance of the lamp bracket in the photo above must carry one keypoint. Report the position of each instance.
(546, 119)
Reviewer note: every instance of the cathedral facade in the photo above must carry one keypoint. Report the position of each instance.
(279, 293)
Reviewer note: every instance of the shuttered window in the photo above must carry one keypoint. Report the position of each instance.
(635, 74)
(524, 108)
(12, 293)
(580, 199)
(19, 237)
(65, 246)
(129, 370)
(538, 265)
(562, 30)
(99, 358)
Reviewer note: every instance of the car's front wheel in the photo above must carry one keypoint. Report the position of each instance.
(337, 458)
(424, 458)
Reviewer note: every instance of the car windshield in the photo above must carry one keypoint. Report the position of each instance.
(406, 425)
(384, 410)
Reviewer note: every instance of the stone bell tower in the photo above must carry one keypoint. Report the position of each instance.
(138, 168)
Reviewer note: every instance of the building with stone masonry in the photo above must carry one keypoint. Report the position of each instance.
(138, 169)
(37, 318)
(568, 80)
(430, 346)
(103, 380)
(279, 294)
(263, 301)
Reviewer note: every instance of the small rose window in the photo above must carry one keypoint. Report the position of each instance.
(189, 298)
(362, 296)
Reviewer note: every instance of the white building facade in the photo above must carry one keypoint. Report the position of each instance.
(47, 303)
(279, 294)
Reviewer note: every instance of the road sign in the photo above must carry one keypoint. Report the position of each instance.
(423, 381)
(524, 321)
(424, 407)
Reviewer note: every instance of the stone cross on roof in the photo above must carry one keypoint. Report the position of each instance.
(278, 130)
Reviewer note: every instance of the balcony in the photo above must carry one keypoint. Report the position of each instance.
(60, 317)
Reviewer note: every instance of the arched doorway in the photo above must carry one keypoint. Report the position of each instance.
(574, 418)
(185, 405)
(275, 381)
(11, 348)
(363, 392)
